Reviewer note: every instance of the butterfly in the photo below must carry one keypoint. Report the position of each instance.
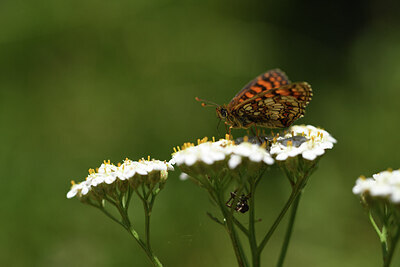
(270, 100)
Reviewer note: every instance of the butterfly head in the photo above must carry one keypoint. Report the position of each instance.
(222, 112)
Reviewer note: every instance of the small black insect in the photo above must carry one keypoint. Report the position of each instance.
(241, 205)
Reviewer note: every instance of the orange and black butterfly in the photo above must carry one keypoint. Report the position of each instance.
(270, 101)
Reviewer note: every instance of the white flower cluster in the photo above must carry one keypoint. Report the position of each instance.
(108, 173)
(307, 141)
(315, 143)
(208, 152)
(385, 184)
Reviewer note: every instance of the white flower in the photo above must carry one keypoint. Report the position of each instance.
(363, 185)
(253, 152)
(107, 172)
(75, 189)
(142, 167)
(310, 131)
(385, 184)
(315, 143)
(80, 189)
(282, 152)
(206, 152)
(129, 168)
(312, 149)
(156, 165)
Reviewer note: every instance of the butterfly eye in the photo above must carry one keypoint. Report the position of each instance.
(223, 112)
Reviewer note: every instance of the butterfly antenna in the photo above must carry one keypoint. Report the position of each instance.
(206, 103)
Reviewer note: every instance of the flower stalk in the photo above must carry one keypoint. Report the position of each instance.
(252, 227)
(229, 226)
(289, 230)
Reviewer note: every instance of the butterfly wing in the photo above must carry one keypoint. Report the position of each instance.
(274, 108)
(269, 80)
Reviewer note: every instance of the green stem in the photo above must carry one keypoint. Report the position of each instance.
(128, 200)
(289, 202)
(389, 254)
(371, 218)
(383, 237)
(147, 213)
(296, 190)
(241, 227)
(252, 231)
(385, 246)
(141, 243)
(109, 215)
(289, 230)
(237, 247)
(144, 245)
(153, 258)
(386, 237)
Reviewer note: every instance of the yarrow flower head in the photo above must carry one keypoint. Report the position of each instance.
(384, 185)
(211, 158)
(308, 141)
(109, 178)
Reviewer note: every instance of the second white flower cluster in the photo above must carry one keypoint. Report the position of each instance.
(384, 185)
(316, 141)
(135, 171)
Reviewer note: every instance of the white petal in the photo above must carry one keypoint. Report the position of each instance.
(72, 193)
(310, 155)
(190, 159)
(281, 156)
(183, 176)
(234, 161)
(268, 160)
(256, 157)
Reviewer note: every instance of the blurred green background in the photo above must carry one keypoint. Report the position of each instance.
(84, 81)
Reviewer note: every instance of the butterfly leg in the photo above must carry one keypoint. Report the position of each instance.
(227, 129)
(230, 132)
(256, 132)
(253, 132)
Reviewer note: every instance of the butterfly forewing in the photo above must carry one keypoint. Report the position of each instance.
(269, 80)
(274, 108)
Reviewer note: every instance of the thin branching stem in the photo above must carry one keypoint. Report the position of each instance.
(229, 226)
(371, 218)
(285, 208)
(289, 231)
(109, 215)
(389, 255)
(252, 230)
(241, 227)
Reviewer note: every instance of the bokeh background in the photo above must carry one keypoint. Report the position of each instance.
(83, 81)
